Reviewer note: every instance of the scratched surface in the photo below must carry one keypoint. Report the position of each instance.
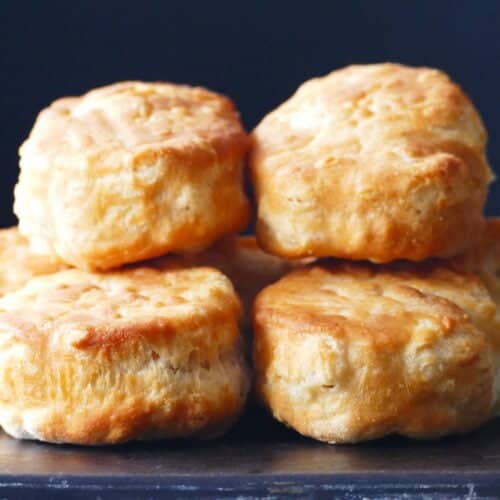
(259, 458)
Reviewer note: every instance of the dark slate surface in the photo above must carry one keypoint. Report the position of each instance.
(259, 458)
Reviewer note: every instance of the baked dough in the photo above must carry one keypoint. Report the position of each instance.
(345, 353)
(247, 266)
(483, 259)
(132, 171)
(18, 264)
(134, 354)
(376, 162)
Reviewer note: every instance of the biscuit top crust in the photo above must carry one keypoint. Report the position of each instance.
(86, 310)
(19, 264)
(134, 118)
(380, 162)
(389, 303)
(381, 112)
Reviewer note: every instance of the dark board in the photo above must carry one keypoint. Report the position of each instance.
(258, 459)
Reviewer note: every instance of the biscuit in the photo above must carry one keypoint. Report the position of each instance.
(484, 257)
(376, 162)
(132, 171)
(484, 260)
(19, 263)
(139, 353)
(246, 265)
(346, 353)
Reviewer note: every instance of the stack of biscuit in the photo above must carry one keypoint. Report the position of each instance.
(113, 348)
(385, 165)
(125, 291)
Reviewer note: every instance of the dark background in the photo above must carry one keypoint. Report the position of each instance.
(255, 52)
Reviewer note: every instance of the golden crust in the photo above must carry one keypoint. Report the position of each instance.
(246, 265)
(132, 171)
(19, 264)
(345, 353)
(134, 354)
(483, 259)
(377, 162)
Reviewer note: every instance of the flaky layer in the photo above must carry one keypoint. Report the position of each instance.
(134, 354)
(132, 171)
(345, 353)
(378, 162)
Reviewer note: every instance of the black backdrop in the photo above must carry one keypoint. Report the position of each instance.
(256, 52)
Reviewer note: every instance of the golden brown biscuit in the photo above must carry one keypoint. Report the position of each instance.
(134, 354)
(483, 259)
(378, 162)
(19, 264)
(246, 265)
(132, 171)
(346, 353)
